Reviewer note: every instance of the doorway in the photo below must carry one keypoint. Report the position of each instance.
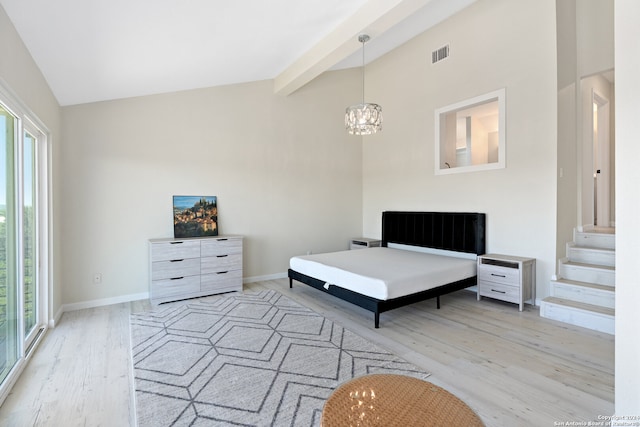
(597, 188)
(601, 160)
(24, 237)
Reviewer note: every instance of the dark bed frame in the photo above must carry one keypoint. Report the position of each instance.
(453, 231)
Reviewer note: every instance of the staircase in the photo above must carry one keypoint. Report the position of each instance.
(583, 294)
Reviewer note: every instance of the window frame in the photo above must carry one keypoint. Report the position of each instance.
(440, 132)
(27, 121)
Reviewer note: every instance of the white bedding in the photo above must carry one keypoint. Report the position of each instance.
(384, 273)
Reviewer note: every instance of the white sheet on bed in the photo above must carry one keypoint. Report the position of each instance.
(384, 273)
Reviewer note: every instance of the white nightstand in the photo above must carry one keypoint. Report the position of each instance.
(363, 243)
(507, 278)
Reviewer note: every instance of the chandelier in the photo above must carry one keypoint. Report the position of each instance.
(364, 118)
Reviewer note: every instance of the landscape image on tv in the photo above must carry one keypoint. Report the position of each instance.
(195, 216)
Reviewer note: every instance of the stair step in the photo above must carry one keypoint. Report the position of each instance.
(589, 293)
(591, 255)
(584, 272)
(580, 314)
(604, 238)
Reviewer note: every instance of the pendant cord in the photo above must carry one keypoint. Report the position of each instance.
(363, 71)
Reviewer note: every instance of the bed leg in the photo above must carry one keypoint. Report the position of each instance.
(438, 302)
(376, 319)
(290, 283)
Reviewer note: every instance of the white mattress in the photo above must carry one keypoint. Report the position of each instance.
(384, 273)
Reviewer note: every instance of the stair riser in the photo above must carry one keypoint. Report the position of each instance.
(595, 240)
(586, 274)
(574, 316)
(587, 256)
(583, 294)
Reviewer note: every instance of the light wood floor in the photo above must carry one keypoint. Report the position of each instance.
(513, 368)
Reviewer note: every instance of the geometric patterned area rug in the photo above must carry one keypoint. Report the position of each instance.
(245, 359)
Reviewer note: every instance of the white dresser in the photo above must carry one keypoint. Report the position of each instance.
(194, 267)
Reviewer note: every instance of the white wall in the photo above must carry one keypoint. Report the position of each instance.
(286, 174)
(22, 75)
(494, 44)
(594, 36)
(627, 93)
(568, 195)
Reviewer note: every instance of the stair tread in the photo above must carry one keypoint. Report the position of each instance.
(582, 264)
(580, 305)
(599, 230)
(586, 284)
(593, 248)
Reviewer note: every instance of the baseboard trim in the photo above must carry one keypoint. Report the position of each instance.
(140, 296)
(104, 301)
(265, 277)
(56, 318)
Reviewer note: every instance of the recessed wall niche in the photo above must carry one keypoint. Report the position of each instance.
(470, 134)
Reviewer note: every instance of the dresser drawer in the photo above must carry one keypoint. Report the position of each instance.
(220, 263)
(493, 273)
(176, 268)
(180, 249)
(216, 247)
(498, 291)
(222, 282)
(175, 287)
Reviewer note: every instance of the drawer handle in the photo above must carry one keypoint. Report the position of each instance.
(176, 243)
(176, 260)
(222, 272)
(222, 240)
(500, 292)
(498, 275)
(221, 256)
(177, 278)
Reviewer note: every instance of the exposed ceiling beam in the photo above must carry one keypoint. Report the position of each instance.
(373, 18)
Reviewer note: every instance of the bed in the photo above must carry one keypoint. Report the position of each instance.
(423, 255)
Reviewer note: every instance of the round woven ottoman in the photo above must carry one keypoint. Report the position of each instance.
(395, 400)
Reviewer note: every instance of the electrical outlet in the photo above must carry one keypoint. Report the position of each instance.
(97, 279)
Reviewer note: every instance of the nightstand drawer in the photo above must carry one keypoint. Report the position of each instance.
(505, 275)
(498, 291)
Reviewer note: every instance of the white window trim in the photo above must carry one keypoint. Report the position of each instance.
(28, 119)
(500, 95)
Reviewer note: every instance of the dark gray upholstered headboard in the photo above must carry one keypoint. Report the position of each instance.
(453, 231)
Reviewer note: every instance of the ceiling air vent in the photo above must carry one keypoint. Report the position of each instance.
(440, 54)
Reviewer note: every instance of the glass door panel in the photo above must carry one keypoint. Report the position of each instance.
(29, 233)
(9, 337)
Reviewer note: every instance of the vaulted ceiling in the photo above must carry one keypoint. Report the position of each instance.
(95, 50)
